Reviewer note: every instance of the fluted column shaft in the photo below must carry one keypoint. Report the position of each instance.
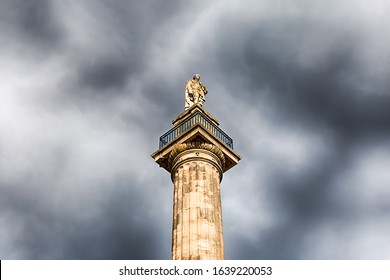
(197, 214)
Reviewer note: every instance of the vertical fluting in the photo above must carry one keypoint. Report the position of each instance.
(197, 214)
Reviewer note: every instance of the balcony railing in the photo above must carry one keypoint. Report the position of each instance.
(187, 124)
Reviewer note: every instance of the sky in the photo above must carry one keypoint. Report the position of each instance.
(88, 87)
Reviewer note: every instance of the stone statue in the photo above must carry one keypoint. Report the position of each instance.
(195, 92)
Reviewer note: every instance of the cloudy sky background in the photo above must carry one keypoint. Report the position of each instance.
(87, 87)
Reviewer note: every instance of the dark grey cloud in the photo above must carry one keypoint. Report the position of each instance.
(48, 231)
(300, 203)
(327, 91)
(31, 26)
(104, 73)
(301, 87)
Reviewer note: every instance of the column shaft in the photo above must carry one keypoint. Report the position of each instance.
(197, 214)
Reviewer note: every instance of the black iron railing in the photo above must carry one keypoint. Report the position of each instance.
(196, 118)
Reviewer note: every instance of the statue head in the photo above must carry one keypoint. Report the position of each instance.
(196, 77)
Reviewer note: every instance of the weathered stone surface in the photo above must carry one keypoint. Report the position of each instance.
(197, 213)
(196, 158)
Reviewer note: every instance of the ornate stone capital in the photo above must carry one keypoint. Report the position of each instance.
(179, 148)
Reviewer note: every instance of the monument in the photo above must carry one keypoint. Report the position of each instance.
(196, 152)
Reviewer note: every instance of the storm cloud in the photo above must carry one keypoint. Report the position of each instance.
(87, 88)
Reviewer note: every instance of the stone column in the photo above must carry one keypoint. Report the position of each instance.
(196, 172)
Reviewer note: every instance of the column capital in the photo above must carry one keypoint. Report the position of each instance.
(179, 148)
(196, 151)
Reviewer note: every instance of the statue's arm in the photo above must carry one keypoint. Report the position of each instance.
(188, 88)
(204, 89)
